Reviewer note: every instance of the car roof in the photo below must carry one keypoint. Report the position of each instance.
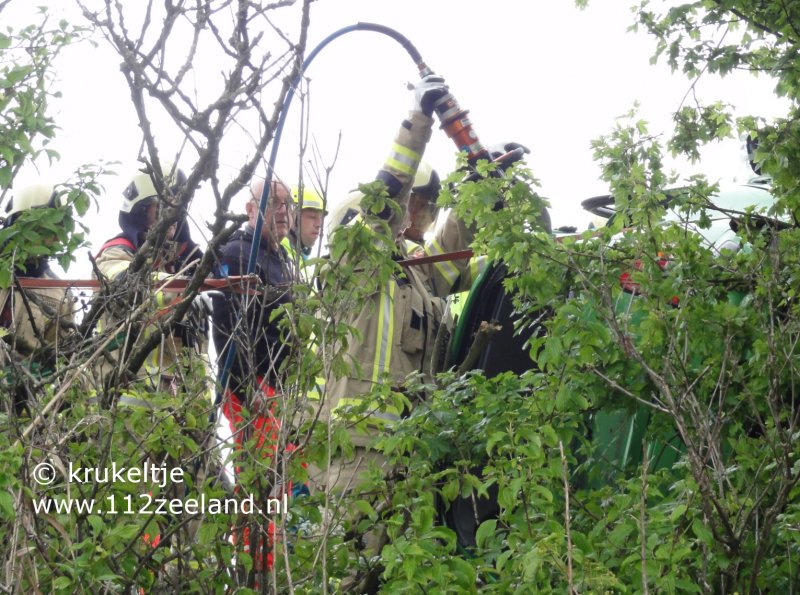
(754, 193)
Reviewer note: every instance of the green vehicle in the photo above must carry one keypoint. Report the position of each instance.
(616, 435)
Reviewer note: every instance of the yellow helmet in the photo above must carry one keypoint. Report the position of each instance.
(310, 199)
(142, 186)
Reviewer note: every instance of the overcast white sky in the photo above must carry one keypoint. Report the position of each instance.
(541, 73)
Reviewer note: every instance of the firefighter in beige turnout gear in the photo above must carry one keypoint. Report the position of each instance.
(420, 218)
(36, 319)
(139, 212)
(164, 380)
(398, 328)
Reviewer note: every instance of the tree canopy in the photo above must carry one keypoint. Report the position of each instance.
(648, 446)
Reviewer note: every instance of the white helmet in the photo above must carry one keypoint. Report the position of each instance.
(426, 181)
(348, 210)
(142, 186)
(30, 197)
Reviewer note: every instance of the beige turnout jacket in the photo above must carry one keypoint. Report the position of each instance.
(398, 324)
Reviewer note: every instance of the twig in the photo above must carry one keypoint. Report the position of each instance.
(566, 517)
(642, 517)
(484, 334)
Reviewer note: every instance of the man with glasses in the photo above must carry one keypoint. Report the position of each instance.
(242, 320)
(250, 346)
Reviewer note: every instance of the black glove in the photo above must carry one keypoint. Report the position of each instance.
(429, 90)
(503, 148)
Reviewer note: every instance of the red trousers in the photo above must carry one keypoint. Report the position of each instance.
(264, 429)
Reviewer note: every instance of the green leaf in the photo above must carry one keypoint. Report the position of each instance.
(677, 513)
(543, 492)
(530, 564)
(246, 560)
(486, 530)
(463, 570)
(450, 490)
(124, 532)
(620, 534)
(423, 518)
(366, 509)
(97, 523)
(502, 559)
(62, 583)
(5, 177)
(702, 532)
(101, 572)
(409, 568)
(7, 504)
(687, 586)
(495, 438)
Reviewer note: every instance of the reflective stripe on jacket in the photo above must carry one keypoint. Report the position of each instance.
(398, 324)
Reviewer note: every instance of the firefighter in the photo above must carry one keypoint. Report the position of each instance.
(309, 223)
(37, 320)
(395, 329)
(142, 208)
(134, 306)
(422, 209)
(420, 218)
(389, 346)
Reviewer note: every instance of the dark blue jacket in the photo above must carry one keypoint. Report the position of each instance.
(244, 320)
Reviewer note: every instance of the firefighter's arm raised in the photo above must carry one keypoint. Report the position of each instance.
(397, 172)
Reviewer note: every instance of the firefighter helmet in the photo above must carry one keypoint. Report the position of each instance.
(142, 186)
(310, 199)
(426, 181)
(31, 196)
(345, 212)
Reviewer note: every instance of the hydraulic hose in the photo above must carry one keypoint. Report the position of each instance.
(402, 40)
(276, 140)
